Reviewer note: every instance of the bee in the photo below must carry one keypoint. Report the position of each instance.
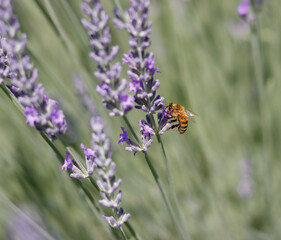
(177, 113)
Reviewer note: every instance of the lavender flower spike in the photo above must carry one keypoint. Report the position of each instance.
(99, 157)
(16, 67)
(112, 88)
(106, 170)
(141, 63)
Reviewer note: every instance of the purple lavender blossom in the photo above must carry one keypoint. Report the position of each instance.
(133, 147)
(146, 132)
(107, 172)
(243, 8)
(163, 123)
(99, 157)
(70, 164)
(112, 88)
(15, 66)
(141, 63)
(124, 137)
(122, 217)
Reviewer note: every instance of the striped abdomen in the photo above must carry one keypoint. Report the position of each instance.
(183, 122)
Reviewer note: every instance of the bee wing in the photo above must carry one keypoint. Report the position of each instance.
(191, 115)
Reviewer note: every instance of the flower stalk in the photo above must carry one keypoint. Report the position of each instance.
(164, 195)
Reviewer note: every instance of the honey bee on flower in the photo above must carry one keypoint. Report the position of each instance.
(177, 113)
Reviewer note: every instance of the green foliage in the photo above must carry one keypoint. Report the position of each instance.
(204, 68)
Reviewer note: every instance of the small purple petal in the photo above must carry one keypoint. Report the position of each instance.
(243, 8)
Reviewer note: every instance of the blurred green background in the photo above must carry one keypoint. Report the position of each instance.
(206, 64)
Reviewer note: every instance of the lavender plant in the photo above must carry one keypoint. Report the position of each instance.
(19, 75)
(223, 72)
(99, 157)
(142, 74)
(143, 84)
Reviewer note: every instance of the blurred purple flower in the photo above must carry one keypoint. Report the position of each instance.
(246, 186)
(246, 10)
(112, 89)
(243, 8)
(15, 66)
(27, 223)
(239, 29)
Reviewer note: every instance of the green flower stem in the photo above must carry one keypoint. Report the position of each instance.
(164, 195)
(258, 61)
(74, 21)
(93, 182)
(158, 181)
(60, 30)
(123, 233)
(170, 180)
(12, 97)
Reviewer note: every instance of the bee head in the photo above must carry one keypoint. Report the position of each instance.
(169, 107)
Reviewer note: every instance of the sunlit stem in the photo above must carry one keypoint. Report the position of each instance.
(169, 176)
(123, 233)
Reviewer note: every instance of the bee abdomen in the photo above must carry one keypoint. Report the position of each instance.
(183, 126)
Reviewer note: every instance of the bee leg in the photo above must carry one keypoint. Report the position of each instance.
(174, 126)
(174, 120)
